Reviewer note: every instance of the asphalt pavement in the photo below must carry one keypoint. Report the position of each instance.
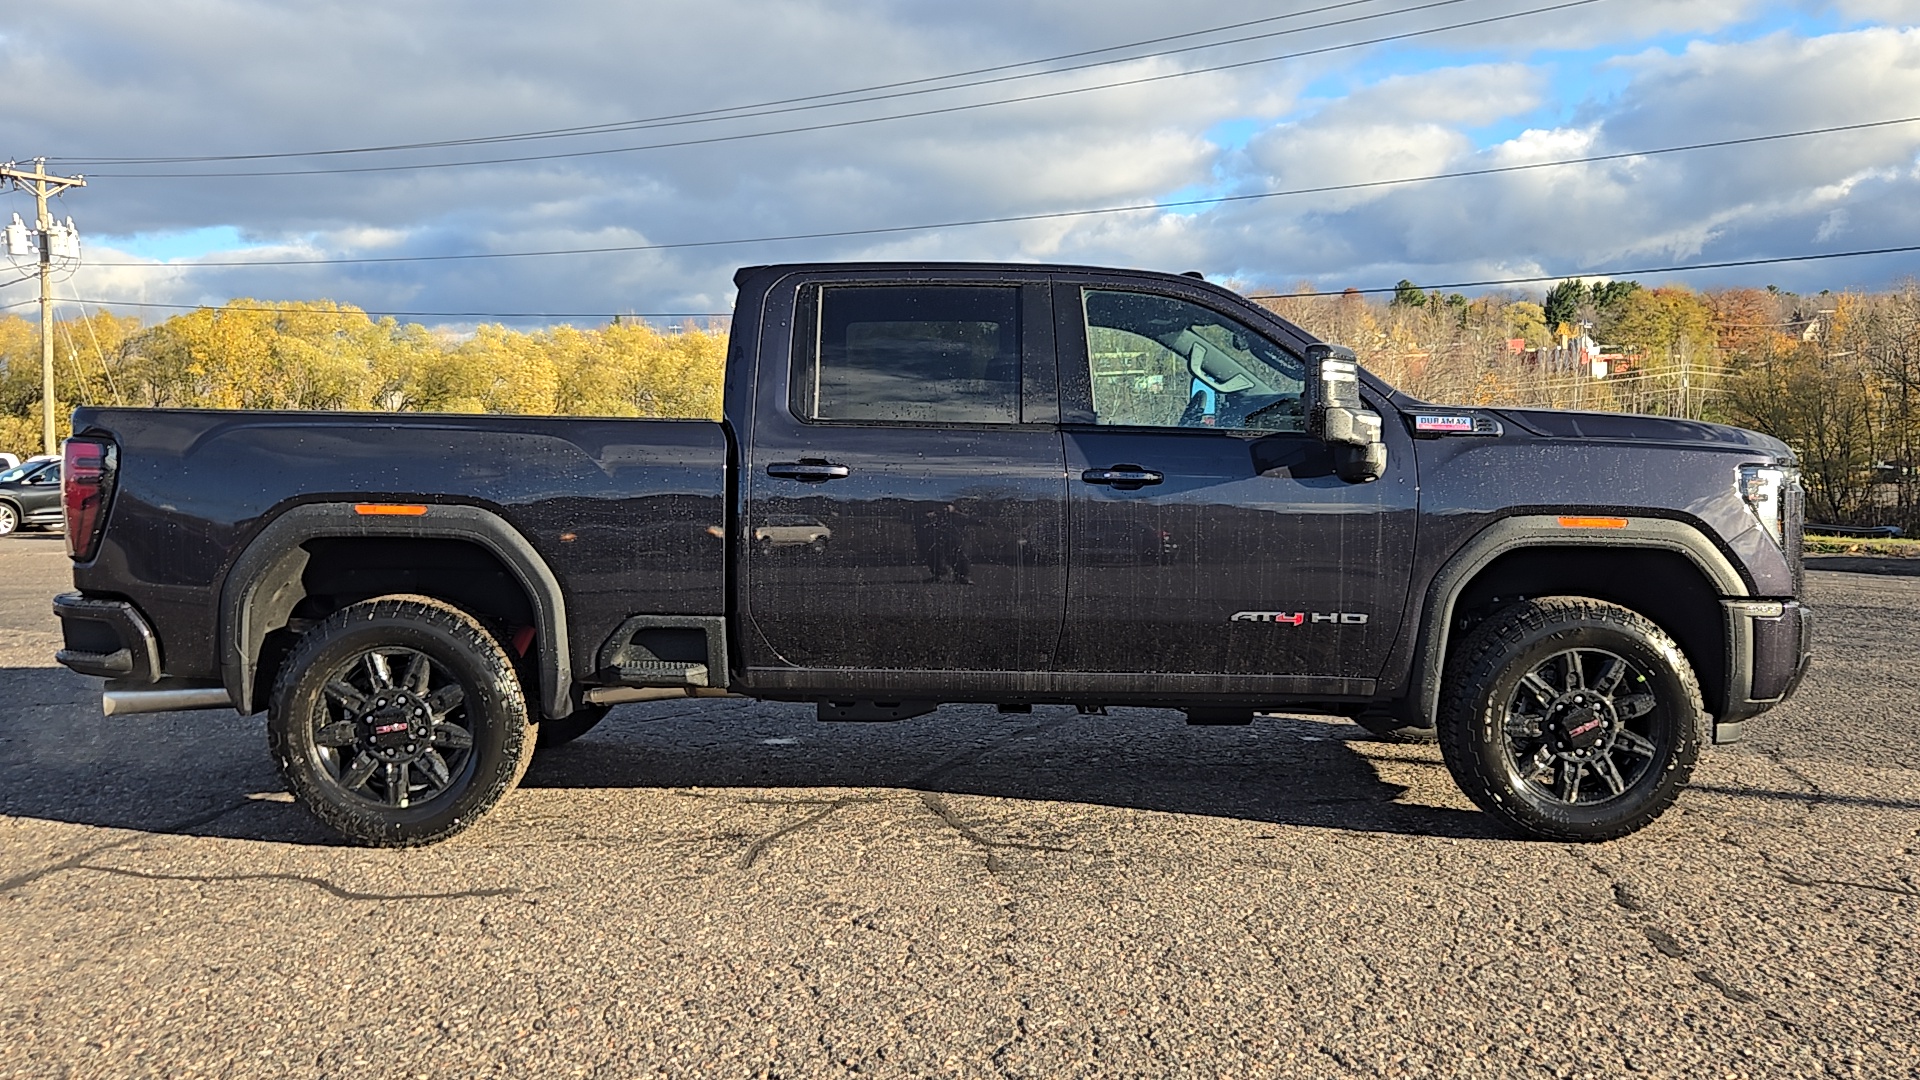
(735, 889)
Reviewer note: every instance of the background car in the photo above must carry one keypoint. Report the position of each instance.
(792, 530)
(30, 496)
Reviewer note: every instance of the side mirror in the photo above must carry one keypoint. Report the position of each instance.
(1337, 416)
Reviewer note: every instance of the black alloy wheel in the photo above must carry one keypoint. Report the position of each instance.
(1571, 719)
(398, 721)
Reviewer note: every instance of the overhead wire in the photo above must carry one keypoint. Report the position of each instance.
(726, 113)
(1045, 216)
(1484, 283)
(1681, 268)
(833, 125)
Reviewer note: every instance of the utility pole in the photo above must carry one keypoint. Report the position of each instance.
(44, 187)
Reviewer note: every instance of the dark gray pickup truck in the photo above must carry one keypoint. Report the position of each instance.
(1018, 485)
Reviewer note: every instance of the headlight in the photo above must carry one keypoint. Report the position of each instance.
(1763, 488)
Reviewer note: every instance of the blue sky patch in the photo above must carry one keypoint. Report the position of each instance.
(167, 246)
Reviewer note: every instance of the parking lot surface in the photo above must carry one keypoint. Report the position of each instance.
(736, 889)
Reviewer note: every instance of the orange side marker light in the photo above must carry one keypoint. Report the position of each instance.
(1593, 523)
(388, 509)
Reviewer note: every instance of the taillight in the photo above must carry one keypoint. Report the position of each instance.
(86, 484)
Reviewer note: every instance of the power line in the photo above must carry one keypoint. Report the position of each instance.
(946, 110)
(1048, 216)
(289, 306)
(1490, 282)
(1610, 273)
(724, 113)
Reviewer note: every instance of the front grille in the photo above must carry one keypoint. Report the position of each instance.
(1795, 531)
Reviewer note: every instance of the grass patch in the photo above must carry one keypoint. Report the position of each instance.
(1902, 548)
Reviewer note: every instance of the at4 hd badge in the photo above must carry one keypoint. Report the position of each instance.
(1303, 618)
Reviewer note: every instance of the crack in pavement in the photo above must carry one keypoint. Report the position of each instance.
(1664, 943)
(993, 848)
(940, 768)
(1805, 882)
(1729, 991)
(303, 879)
(1816, 795)
(758, 847)
(76, 861)
(1792, 878)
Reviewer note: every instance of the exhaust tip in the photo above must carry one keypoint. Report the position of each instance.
(172, 699)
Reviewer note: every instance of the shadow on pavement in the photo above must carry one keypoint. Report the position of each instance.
(207, 773)
(196, 772)
(1279, 770)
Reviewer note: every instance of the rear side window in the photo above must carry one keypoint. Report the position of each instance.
(911, 354)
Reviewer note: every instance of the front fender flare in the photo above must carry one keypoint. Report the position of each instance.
(1545, 530)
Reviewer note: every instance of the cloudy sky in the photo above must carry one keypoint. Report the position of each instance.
(358, 151)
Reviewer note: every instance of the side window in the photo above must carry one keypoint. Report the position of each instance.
(911, 354)
(1158, 361)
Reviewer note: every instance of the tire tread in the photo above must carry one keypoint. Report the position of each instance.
(468, 633)
(1485, 653)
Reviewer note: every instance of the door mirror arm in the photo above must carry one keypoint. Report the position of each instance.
(1338, 417)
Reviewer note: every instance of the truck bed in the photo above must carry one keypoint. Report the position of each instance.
(629, 514)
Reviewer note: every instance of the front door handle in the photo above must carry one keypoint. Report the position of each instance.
(810, 472)
(1124, 477)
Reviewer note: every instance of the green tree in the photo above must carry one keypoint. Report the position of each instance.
(1562, 308)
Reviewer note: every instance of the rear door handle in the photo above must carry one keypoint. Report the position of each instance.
(1122, 476)
(811, 472)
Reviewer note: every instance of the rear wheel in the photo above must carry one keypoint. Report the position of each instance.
(398, 721)
(1571, 719)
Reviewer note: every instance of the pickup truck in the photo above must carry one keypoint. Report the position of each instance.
(1044, 485)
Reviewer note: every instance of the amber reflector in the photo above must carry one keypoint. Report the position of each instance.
(1593, 523)
(396, 509)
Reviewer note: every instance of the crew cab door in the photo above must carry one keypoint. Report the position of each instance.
(904, 492)
(1208, 532)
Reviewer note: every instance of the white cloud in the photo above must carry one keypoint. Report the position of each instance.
(211, 76)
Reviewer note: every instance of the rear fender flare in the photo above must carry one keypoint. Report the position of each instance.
(256, 591)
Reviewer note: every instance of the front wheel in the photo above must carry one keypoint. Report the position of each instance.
(398, 721)
(1571, 719)
(9, 519)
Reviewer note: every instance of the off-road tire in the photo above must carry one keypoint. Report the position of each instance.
(480, 741)
(551, 733)
(1489, 705)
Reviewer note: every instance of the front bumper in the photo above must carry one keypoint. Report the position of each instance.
(1769, 647)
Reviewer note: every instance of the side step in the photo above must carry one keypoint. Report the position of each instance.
(661, 673)
(688, 651)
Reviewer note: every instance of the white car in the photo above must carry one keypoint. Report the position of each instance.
(791, 530)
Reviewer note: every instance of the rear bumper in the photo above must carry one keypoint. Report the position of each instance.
(1769, 647)
(107, 638)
